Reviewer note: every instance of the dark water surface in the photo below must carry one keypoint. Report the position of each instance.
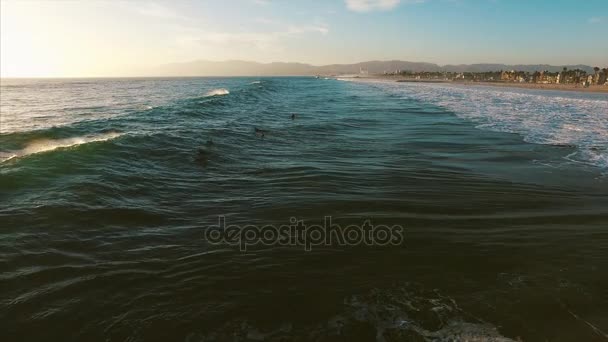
(104, 199)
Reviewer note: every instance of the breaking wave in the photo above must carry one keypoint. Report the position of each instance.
(217, 92)
(46, 145)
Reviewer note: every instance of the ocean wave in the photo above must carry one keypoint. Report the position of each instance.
(217, 92)
(256, 82)
(46, 145)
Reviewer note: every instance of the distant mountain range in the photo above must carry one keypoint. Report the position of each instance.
(245, 68)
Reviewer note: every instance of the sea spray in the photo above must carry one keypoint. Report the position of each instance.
(46, 145)
(217, 92)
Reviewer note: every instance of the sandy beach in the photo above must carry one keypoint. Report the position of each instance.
(563, 87)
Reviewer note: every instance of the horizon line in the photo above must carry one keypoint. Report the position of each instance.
(287, 74)
(367, 61)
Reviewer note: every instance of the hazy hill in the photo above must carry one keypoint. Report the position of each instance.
(375, 67)
(245, 68)
(233, 68)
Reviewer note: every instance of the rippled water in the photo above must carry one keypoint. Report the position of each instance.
(104, 199)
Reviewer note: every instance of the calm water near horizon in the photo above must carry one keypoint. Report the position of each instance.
(105, 198)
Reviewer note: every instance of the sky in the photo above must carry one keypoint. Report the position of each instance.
(116, 38)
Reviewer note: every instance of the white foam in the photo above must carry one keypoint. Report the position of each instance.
(217, 92)
(541, 117)
(46, 145)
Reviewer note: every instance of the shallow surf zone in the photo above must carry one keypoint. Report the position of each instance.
(541, 117)
(47, 145)
(217, 92)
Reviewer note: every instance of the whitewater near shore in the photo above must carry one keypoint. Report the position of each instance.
(540, 116)
(540, 86)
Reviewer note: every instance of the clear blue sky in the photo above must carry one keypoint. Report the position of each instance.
(54, 38)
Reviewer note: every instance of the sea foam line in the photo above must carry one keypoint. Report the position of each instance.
(540, 117)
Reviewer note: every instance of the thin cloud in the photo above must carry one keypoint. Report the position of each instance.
(375, 5)
(306, 29)
(371, 5)
(265, 21)
(263, 41)
(191, 32)
(158, 11)
(595, 20)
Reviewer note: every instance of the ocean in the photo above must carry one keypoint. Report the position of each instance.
(109, 189)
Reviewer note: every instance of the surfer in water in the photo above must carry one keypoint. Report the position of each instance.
(260, 132)
(203, 154)
(293, 116)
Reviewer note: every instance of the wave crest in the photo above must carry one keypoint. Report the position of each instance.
(46, 145)
(217, 92)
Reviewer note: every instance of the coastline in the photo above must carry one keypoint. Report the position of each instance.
(560, 87)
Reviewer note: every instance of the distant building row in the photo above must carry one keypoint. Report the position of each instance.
(577, 76)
